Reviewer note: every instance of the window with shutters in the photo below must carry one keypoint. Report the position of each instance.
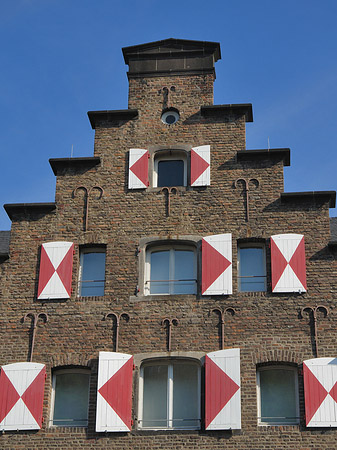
(277, 388)
(92, 272)
(170, 395)
(70, 398)
(170, 168)
(171, 269)
(252, 275)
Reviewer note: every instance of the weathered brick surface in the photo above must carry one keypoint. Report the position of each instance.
(266, 327)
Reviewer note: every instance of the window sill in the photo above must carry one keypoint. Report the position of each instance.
(66, 429)
(162, 297)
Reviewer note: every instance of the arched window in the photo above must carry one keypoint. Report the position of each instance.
(277, 388)
(70, 397)
(171, 269)
(169, 395)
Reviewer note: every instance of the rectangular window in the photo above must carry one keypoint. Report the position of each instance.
(251, 268)
(170, 394)
(170, 168)
(171, 270)
(70, 398)
(277, 395)
(92, 272)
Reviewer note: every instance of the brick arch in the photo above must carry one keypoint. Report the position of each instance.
(72, 359)
(277, 355)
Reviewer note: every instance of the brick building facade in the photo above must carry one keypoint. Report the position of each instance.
(171, 282)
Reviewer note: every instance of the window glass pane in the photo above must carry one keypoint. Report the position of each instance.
(170, 173)
(71, 399)
(278, 396)
(251, 269)
(93, 274)
(185, 396)
(184, 271)
(160, 275)
(155, 396)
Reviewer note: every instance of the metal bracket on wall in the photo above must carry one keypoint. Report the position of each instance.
(245, 182)
(314, 312)
(87, 193)
(169, 323)
(169, 191)
(222, 313)
(117, 318)
(35, 317)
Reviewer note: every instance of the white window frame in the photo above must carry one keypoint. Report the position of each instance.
(52, 400)
(172, 248)
(170, 383)
(292, 369)
(253, 245)
(168, 155)
(83, 251)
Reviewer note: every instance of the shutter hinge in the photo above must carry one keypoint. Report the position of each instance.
(42, 419)
(300, 371)
(148, 184)
(131, 422)
(45, 376)
(133, 367)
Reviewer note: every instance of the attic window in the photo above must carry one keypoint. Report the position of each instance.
(171, 116)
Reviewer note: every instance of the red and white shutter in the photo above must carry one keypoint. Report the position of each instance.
(320, 392)
(114, 393)
(217, 265)
(21, 396)
(138, 168)
(222, 390)
(288, 271)
(200, 165)
(56, 267)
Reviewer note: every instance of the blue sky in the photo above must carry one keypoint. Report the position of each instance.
(62, 58)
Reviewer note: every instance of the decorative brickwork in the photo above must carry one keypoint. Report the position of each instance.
(267, 327)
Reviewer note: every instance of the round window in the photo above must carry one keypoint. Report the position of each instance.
(170, 117)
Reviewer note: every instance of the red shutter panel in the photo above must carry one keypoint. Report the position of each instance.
(217, 265)
(320, 392)
(222, 390)
(288, 263)
(200, 166)
(21, 396)
(114, 396)
(138, 168)
(56, 267)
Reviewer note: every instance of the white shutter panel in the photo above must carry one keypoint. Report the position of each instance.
(56, 266)
(222, 390)
(217, 264)
(138, 168)
(320, 392)
(114, 392)
(200, 165)
(21, 396)
(288, 263)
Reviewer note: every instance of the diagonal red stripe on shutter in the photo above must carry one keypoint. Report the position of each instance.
(213, 265)
(333, 392)
(46, 271)
(33, 396)
(140, 168)
(65, 270)
(278, 263)
(297, 263)
(220, 388)
(117, 392)
(198, 166)
(8, 395)
(314, 393)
